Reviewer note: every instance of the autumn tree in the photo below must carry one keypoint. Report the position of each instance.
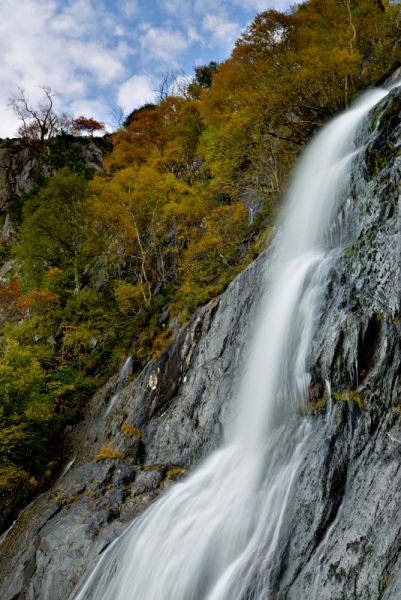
(288, 73)
(212, 255)
(144, 218)
(135, 144)
(136, 111)
(89, 125)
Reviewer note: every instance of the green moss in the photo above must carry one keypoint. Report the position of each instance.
(131, 431)
(108, 454)
(155, 467)
(175, 473)
(375, 118)
(349, 396)
(387, 579)
(71, 499)
(318, 404)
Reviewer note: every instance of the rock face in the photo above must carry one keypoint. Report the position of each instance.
(22, 161)
(341, 534)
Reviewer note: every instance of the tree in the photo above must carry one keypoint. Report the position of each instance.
(204, 74)
(167, 85)
(143, 218)
(203, 78)
(118, 116)
(37, 122)
(136, 111)
(54, 230)
(87, 124)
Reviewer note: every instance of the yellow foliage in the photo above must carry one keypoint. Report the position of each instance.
(175, 473)
(128, 296)
(108, 454)
(132, 431)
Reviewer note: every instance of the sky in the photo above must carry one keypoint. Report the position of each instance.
(97, 55)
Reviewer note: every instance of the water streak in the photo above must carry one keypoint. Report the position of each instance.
(215, 536)
(122, 379)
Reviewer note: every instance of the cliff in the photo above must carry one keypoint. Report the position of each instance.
(340, 537)
(23, 161)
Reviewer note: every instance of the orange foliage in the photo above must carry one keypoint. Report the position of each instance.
(10, 299)
(134, 145)
(88, 124)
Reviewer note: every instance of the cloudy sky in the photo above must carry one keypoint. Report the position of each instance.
(100, 54)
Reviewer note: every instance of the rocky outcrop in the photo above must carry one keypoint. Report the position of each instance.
(23, 162)
(340, 537)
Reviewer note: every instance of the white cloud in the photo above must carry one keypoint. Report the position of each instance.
(99, 62)
(85, 50)
(136, 91)
(222, 31)
(88, 108)
(162, 45)
(129, 8)
(181, 9)
(52, 43)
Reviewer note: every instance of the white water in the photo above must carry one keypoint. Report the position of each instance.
(215, 535)
(122, 378)
(67, 467)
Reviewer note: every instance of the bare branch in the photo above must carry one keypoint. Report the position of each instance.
(118, 117)
(37, 122)
(170, 85)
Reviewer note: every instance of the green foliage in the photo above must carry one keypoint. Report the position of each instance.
(55, 230)
(65, 151)
(203, 79)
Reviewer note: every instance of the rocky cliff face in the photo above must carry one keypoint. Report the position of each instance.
(22, 161)
(341, 534)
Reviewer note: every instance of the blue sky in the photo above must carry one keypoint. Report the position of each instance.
(100, 54)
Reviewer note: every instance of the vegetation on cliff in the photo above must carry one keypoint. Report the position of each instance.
(110, 264)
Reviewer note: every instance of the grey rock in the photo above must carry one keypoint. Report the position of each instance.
(22, 160)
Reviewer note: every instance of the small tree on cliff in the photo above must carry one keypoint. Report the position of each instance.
(37, 122)
(90, 125)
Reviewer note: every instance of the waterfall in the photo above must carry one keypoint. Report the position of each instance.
(123, 375)
(215, 535)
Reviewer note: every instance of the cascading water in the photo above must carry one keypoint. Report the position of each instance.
(121, 380)
(214, 536)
